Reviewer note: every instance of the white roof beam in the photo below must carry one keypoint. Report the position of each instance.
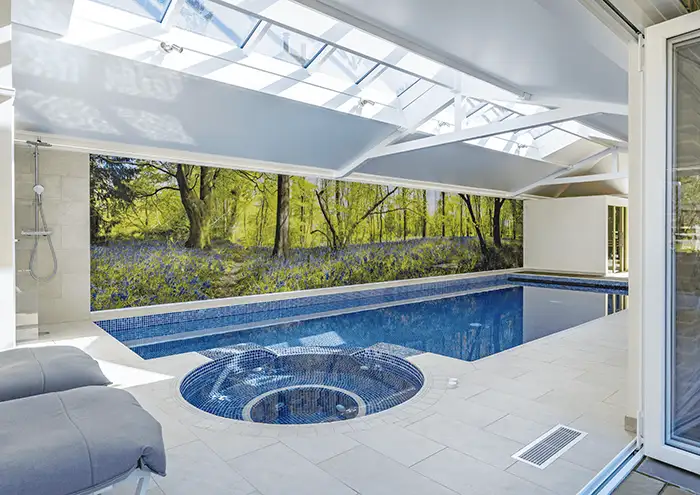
(591, 160)
(580, 179)
(494, 129)
(425, 108)
(545, 101)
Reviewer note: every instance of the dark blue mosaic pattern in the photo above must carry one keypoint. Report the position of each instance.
(138, 327)
(466, 327)
(304, 405)
(226, 385)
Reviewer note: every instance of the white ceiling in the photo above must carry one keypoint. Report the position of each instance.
(553, 48)
(73, 92)
(463, 165)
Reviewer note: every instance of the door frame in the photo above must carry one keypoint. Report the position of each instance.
(658, 152)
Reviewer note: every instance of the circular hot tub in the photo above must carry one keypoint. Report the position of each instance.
(301, 385)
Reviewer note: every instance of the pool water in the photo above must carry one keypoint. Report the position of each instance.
(466, 326)
(302, 385)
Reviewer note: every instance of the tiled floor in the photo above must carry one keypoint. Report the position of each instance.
(652, 477)
(443, 441)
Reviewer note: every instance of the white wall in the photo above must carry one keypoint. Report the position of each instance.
(7, 194)
(66, 177)
(566, 235)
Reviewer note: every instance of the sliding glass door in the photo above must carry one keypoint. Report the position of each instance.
(618, 259)
(671, 247)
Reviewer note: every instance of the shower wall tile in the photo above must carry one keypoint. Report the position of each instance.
(74, 188)
(72, 260)
(65, 176)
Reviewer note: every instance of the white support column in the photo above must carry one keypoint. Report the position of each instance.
(7, 185)
(634, 329)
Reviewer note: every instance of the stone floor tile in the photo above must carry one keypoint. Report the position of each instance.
(674, 490)
(468, 412)
(193, 468)
(518, 429)
(560, 477)
(480, 444)
(639, 484)
(467, 476)
(371, 473)
(229, 445)
(321, 447)
(278, 470)
(399, 444)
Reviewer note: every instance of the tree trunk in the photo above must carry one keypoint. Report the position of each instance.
(197, 207)
(403, 200)
(442, 200)
(281, 247)
(498, 203)
(482, 241)
(425, 214)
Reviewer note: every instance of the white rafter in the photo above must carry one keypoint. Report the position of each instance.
(428, 106)
(496, 128)
(591, 160)
(580, 179)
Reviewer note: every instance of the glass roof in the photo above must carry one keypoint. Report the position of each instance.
(289, 50)
(216, 21)
(153, 9)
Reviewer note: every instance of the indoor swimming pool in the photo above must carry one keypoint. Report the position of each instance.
(465, 319)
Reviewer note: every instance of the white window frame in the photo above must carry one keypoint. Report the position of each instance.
(656, 285)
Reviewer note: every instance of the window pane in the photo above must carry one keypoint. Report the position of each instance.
(215, 21)
(154, 9)
(298, 17)
(684, 252)
(388, 86)
(371, 46)
(289, 46)
(346, 65)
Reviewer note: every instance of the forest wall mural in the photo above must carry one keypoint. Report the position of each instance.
(166, 232)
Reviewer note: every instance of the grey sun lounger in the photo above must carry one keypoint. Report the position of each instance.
(29, 371)
(76, 442)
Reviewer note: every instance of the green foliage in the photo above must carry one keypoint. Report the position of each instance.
(340, 233)
(128, 274)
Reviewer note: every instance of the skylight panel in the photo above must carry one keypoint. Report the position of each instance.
(389, 85)
(244, 77)
(346, 65)
(309, 94)
(299, 17)
(289, 46)
(153, 9)
(215, 21)
(275, 66)
(367, 44)
(328, 82)
(420, 65)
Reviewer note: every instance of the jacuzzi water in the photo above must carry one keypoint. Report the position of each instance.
(301, 385)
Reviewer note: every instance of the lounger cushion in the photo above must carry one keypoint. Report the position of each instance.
(31, 371)
(76, 441)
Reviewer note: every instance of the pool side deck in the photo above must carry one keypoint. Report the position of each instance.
(443, 441)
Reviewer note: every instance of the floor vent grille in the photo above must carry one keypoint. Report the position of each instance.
(549, 447)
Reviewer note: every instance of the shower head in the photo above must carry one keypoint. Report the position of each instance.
(39, 144)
